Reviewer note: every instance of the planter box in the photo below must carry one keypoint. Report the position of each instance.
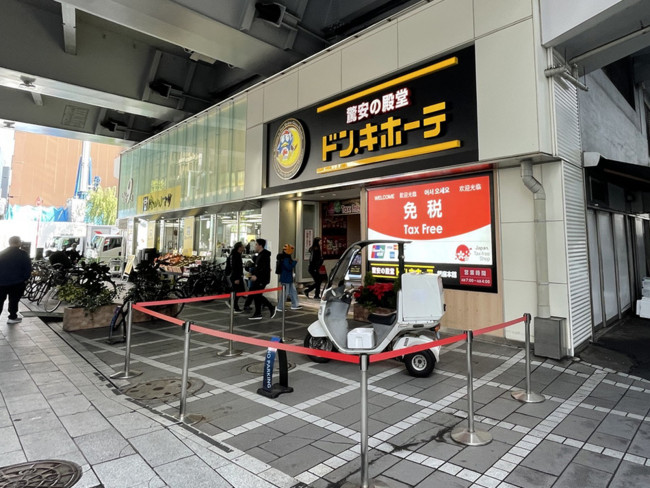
(361, 313)
(78, 318)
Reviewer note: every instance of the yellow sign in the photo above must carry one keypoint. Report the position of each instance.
(160, 201)
(151, 234)
(188, 236)
(129, 264)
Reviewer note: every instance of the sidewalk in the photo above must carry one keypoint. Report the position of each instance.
(593, 430)
(54, 404)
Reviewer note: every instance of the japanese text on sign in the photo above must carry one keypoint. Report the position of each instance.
(383, 135)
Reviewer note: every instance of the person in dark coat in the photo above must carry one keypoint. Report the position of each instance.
(315, 262)
(15, 270)
(286, 265)
(237, 273)
(261, 277)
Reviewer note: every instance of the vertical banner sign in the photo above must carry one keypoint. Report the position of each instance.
(450, 224)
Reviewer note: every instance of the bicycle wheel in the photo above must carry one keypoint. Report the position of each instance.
(51, 300)
(177, 308)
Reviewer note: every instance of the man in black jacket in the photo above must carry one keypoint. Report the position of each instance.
(260, 278)
(16, 269)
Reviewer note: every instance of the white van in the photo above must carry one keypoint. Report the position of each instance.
(105, 247)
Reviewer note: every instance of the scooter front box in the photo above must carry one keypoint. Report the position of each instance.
(361, 338)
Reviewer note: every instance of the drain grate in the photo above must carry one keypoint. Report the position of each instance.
(258, 368)
(44, 474)
(162, 389)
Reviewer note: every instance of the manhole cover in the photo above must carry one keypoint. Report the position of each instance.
(258, 368)
(43, 474)
(162, 389)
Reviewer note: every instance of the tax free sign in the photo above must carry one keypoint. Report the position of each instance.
(419, 119)
(449, 224)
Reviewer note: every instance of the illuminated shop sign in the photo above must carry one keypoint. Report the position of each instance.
(450, 226)
(423, 118)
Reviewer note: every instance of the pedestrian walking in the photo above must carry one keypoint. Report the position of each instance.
(236, 274)
(284, 267)
(16, 269)
(315, 263)
(260, 277)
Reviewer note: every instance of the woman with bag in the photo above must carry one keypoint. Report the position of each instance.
(315, 263)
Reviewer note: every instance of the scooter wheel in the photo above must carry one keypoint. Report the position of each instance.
(420, 364)
(322, 343)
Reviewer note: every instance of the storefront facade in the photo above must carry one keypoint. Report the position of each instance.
(439, 127)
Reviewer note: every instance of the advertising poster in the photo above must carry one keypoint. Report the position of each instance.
(450, 226)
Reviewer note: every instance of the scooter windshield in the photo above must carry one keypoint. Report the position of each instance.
(340, 273)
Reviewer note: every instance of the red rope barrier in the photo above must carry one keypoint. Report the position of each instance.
(349, 358)
(162, 316)
(256, 292)
(419, 347)
(492, 328)
(203, 299)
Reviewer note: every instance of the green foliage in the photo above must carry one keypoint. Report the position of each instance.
(90, 286)
(101, 207)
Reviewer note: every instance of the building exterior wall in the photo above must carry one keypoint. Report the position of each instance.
(46, 167)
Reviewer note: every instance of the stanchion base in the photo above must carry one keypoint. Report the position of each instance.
(476, 438)
(190, 419)
(275, 391)
(230, 354)
(123, 375)
(289, 340)
(531, 397)
(371, 484)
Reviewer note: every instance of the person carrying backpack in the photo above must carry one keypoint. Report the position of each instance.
(235, 273)
(284, 266)
(315, 263)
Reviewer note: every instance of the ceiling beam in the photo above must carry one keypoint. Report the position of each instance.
(171, 22)
(69, 28)
(45, 86)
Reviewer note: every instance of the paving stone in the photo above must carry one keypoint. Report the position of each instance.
(550, 457)
(609, 441)
(160, 447)
(526, 478)
(619, 426)
(579, 475)
(334, 443)
(498, 409)
(539, 410)
(439, 478)
(640, 445)
(482, 457)
(408, 472)
(296, 461)
(506, 436)
(631, 475)
(589, 413)
(445, 449)
(522, 420)
(189, 472)
(36, 421)
(84, 423)
(103, 446)
(254, 437)
(598, 461)
(575, 427)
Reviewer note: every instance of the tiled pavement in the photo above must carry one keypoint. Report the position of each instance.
(592, 431)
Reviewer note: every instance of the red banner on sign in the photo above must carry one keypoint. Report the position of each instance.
(428, 211)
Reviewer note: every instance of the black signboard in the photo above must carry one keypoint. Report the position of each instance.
(421, 118)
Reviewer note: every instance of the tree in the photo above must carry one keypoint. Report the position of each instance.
(101, 208)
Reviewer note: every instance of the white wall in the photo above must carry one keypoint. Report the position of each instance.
(513, 99)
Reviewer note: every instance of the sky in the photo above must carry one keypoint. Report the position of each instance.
(6, 146)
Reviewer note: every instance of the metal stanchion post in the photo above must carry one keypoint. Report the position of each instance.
(528, 396)
(366, 482)
(469, 436)
(231, 352)
(127, 373)
(191, 419)
(283, 301)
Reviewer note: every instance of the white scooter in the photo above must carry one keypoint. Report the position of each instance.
(420, 307)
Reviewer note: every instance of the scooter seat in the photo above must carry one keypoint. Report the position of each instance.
(387, 319)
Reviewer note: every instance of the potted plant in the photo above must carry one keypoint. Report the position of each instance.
(90, 293)
(374, 297)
